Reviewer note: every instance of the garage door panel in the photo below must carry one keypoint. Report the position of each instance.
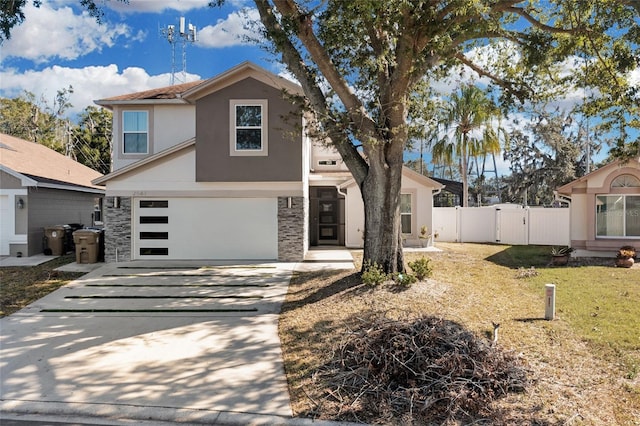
(202, 228)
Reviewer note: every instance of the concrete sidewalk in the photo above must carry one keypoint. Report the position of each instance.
(189, 342)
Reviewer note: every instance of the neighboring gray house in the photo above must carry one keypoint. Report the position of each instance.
(224, 169)
(38, 188)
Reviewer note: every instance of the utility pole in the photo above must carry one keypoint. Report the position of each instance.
(184, 34)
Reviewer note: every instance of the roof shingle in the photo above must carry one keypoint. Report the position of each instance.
(168, 92)
(37, 161)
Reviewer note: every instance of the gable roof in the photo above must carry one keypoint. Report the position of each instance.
(426, 181)
(566, 189)
(412, 174)
(192, 91)
(452, 186)
(239, 73)
(37, 165)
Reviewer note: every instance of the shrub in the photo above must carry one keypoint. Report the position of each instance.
(626, 252)
(405, 279)
(373, 274)
(526, 273)
(421, 268)
(561, 251)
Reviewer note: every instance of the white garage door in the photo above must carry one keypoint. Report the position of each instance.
(205, 228)
(6, 224)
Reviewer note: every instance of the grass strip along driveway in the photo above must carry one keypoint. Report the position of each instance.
(583, 367)
(22, 285)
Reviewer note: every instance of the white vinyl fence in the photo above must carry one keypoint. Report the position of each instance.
(513, 225)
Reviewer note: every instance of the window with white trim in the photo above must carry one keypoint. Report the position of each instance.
(618, 215)
(405, 213)
(135, 132)
(248, 127)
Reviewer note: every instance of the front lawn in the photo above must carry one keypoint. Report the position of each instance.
(22, 285)
(583, 367)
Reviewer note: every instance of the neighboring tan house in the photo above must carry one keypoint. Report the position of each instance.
(223, 169)
(605, 208)
(38, 188)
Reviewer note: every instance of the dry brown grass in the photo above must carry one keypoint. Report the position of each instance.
(574, 380)
(22, 285)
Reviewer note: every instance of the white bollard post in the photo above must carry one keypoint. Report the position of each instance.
(550, 301)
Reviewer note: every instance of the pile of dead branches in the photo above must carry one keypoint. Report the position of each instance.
(425, 371)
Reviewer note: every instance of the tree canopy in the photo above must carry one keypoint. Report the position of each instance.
(468, 125)
(364, 64)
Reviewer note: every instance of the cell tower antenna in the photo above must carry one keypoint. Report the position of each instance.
(183, 34)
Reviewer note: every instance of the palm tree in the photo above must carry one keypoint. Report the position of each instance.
(467, 125)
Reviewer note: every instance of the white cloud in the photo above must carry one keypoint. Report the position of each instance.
(89, 83)
(155, 6)
(229, 32)
(48, 33)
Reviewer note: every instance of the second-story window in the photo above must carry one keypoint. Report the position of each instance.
(135, 128)
(248, 127)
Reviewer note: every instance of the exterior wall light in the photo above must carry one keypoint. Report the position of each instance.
(20, 203)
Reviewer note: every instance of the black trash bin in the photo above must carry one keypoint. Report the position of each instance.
(100, 243)
(73, 227)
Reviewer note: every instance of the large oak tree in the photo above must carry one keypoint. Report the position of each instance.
(362, 63)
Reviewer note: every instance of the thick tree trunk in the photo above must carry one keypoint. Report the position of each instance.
(381, 197)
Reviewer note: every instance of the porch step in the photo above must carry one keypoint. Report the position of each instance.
(331, 255)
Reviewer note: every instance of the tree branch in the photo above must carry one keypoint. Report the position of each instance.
(507, 85)
(547, 28)
(294, 61)
(304, 30)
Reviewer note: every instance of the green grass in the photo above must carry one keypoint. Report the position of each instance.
(601, 303)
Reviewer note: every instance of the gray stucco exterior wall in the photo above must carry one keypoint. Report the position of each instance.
(213, 160)
(50, 207)
(9, 182)
(117, 229)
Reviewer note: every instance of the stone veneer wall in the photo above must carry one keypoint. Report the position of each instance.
(117, 230)
(292, 229)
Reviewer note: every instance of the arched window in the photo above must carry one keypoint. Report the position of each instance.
(625, 181)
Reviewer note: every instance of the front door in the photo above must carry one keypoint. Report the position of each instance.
(327, 223)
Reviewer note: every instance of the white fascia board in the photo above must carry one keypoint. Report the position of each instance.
(110, 104)
(71, 188)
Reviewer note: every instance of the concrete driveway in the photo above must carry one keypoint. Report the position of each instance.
(152, 341)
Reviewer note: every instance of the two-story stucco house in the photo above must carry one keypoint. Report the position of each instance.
(223, 169)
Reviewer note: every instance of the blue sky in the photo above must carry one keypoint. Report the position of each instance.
(60, 45)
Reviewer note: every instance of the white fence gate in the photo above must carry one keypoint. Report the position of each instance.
(512, 225)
